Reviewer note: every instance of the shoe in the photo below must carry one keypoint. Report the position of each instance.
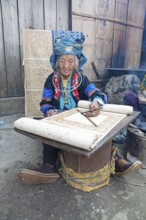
(124, 167)
(42, 174)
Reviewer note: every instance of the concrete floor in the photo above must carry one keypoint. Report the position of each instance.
(122, 199)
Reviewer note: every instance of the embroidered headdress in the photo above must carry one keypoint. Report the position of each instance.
(68, 42)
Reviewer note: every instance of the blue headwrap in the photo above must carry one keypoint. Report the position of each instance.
(68, 42)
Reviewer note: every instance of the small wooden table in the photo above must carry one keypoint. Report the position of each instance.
(81, 160)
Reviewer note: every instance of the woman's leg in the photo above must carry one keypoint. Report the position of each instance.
(50, 154)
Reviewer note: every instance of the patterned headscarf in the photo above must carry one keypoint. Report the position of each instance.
(68, 42)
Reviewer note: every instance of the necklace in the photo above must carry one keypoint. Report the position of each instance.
(71, 88)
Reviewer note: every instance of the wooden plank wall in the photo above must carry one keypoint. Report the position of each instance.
(119, 34)
(104, 35)
(12, 48)
(87, 26)
(134, 35)
(16, 15)
(113, 30)
(3, 87)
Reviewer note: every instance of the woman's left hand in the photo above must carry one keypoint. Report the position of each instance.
(94, 109)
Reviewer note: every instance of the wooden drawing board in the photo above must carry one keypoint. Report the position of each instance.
(105, 121)
(112, 128)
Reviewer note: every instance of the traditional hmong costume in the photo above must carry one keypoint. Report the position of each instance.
(54, 95)
(78, 86)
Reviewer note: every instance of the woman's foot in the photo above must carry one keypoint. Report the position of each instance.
(124, 167)
(42, 174)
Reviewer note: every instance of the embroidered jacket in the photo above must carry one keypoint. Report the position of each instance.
(53, 91)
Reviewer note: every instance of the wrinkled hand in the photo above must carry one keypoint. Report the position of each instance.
(51, 112)
(94, 109)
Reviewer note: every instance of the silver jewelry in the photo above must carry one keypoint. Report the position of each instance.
(72, 88)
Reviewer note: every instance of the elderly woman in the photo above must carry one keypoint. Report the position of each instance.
(62, 91)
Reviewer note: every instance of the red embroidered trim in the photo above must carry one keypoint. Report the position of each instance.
(74, 84)
(92, 92)
(57, 92)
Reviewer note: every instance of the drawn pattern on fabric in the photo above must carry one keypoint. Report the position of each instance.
(37, 49)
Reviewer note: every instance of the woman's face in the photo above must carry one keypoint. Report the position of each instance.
(66, 65)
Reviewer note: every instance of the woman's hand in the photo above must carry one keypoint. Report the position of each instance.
(94, 109)
(51, 112)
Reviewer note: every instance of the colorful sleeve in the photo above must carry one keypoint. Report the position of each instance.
(45, 104)
(95, 94)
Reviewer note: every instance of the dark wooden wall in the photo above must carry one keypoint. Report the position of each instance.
(16, 15)
(113, 29)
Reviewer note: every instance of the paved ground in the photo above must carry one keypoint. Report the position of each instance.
(123, 199)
